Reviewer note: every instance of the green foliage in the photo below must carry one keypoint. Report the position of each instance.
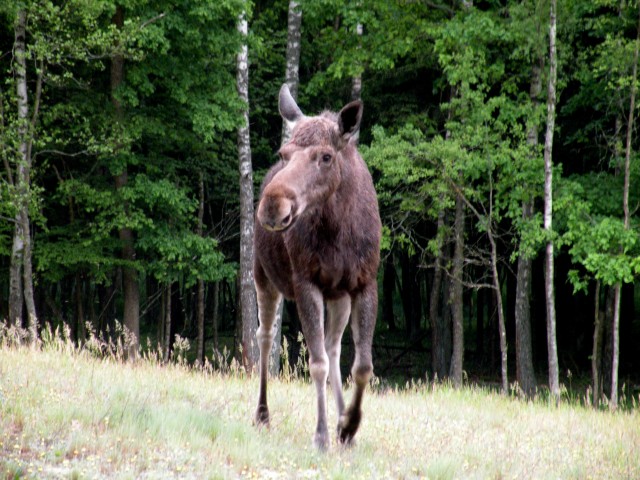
(178, 96)
(448, 111)
(484, 154)
(597, 242)
(404, 168)
(183, 255)
(161, 216)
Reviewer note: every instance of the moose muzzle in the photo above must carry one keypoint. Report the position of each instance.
(277, 209)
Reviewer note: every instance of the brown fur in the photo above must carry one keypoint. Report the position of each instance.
(334, 245)
(321, 242)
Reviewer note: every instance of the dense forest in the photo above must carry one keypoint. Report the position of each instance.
(501, 136)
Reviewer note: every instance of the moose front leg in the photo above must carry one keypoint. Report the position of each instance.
(337, 318)
(268, 300)
(363, 321)
(311, 312)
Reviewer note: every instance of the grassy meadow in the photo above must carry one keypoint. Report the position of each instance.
(65, 413)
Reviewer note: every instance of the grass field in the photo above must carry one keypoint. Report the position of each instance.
(67, 414)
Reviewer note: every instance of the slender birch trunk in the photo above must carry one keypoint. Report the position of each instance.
(502, 331)
(596, 353)
(20, 271)
(80, 330)
(248, 303)
(16, 291)
(167, 324)
(216, 314)
(356, 81)
(200, 285)
(27, 273)
(554, 382)
(627, 219)
(16, 298)
(292, 77)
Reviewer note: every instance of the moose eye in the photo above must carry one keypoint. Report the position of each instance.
(326, 158)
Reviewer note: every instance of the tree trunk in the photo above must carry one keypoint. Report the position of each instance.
(480, 308)
(410, 293)
(356, 81)
(605, 372)
(596, 353)
(456, 293)
(248, 308)
(16, 300)
(524, 358)
(200, 300)
(554, 383)
(294, 26)
(216, 314)
(27, 274)
(627, 218)
(167, 324)
(615, 345)
(501, 324)
(21, 275)
(388, 287)
(200, 314)
(502, 332)
(439, 340)
(456, 287)
(93, 318)
(80, 331)
(131, 313)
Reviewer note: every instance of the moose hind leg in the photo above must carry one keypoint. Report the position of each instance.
(363, 320)
(268, 300)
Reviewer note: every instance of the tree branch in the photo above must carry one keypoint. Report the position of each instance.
(12, 220)
(61, 153)
(443, 8)
(152, 20)
(36, 110)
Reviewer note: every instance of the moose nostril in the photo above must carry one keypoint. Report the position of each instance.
(286, 220)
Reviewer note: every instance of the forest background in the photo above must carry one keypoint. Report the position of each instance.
(127, 154)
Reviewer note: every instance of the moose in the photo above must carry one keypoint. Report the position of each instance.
(317, 242)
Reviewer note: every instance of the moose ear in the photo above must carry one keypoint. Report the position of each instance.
(287, 105)
(349, 119)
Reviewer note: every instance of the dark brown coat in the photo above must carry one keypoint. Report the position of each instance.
(334, 244)
(317, 240)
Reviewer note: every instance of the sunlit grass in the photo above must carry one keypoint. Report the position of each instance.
(66, 413)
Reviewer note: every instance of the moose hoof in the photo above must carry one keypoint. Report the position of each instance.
(348, 426)
(321, 441)
(262, 416)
